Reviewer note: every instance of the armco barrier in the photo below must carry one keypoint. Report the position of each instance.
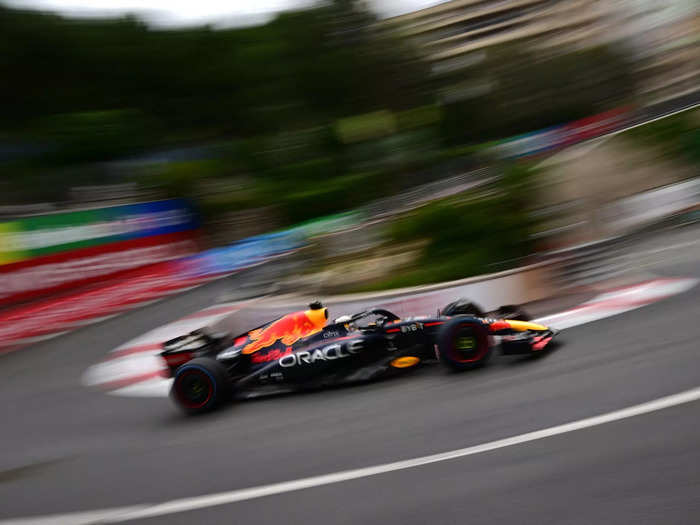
(632, 212)
(520, 285)
(629, 219)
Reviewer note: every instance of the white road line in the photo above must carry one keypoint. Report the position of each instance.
(74, 518)
(122, 514)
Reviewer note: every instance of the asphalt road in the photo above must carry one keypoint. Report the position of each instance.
(66, 448)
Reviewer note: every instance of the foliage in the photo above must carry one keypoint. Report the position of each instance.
(316, 196)
(321, 108)
(366, 127)
(531, 92)
(179, 179)
(419, 117)
(677, 136)
(469, 237)
(93, 135)
(302, 68)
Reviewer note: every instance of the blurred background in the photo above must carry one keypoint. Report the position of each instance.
(386, 143)
(236, 160)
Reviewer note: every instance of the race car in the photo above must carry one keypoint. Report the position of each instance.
(302, 350)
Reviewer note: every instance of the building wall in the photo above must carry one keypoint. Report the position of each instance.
(453, 29)
(661, 35)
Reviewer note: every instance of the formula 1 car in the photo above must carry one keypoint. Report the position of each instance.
(301, 350)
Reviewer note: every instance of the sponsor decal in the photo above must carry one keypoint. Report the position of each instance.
(411, 327)
(272, 355)
(59, 232)
(288, 329)
(555, 137)
(327, 353)
(48, 253)
(49, 273)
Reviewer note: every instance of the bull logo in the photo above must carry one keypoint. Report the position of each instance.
(288, 330)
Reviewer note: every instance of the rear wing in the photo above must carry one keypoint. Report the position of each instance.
(184, 348)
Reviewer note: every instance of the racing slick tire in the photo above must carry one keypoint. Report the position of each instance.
(463, 344)
(512, 312)
(200, 385)
(462, 306)
(465, 307)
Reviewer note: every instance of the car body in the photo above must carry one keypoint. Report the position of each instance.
(301, 350)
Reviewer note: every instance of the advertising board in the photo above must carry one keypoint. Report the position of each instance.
(47, 253)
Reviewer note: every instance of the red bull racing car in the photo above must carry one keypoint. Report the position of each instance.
(302, 350)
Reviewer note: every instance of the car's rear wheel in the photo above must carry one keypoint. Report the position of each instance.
(463, 344)
(201, 385)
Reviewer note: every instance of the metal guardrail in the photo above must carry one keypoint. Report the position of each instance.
(424, 193)
(592, 262)
(588, 263)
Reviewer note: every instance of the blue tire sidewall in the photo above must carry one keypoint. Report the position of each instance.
(186, 367)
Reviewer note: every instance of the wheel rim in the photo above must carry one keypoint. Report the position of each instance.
(194, 388)
(469, 344)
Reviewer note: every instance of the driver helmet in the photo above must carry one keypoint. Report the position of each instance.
(317, 314)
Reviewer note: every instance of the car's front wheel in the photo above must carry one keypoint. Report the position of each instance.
(463, 343)
(201, 385)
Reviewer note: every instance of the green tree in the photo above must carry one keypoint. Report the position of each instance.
(529, 92)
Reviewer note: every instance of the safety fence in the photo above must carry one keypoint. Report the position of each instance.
(629, 219)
